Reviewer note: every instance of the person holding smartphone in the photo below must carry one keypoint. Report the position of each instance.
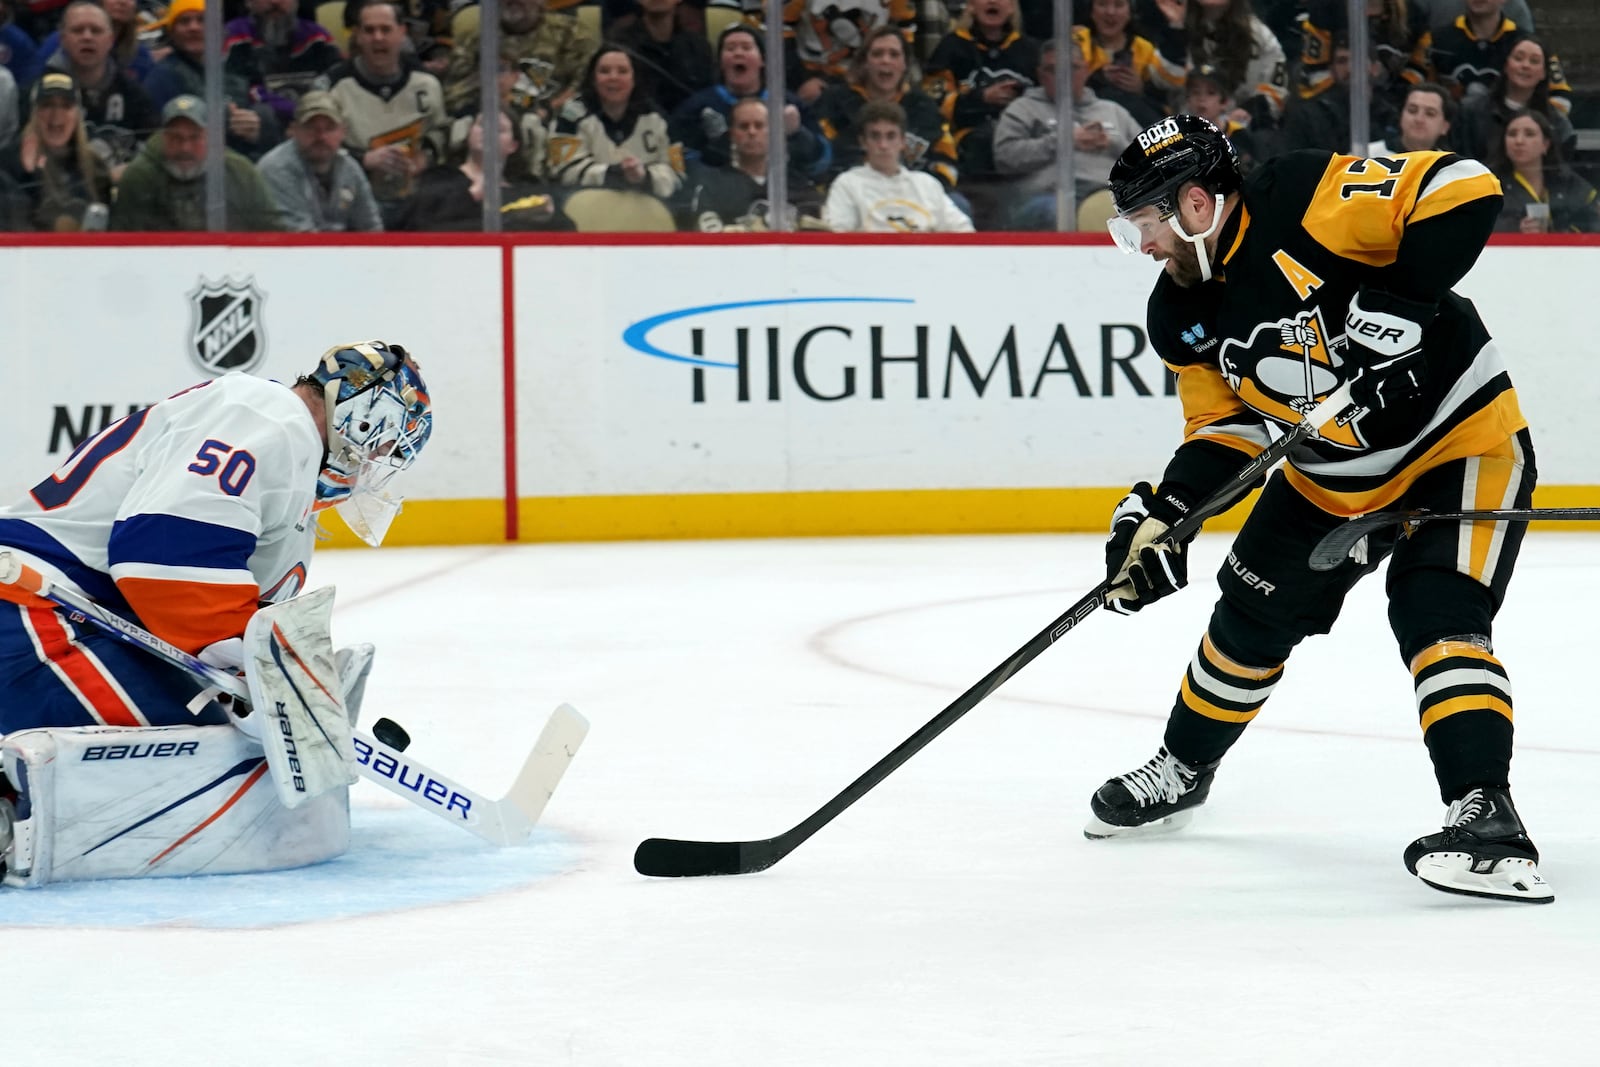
(1542, 193)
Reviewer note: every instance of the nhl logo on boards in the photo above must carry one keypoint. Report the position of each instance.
(227, 332)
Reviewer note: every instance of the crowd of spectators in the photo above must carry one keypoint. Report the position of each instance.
(899, 115)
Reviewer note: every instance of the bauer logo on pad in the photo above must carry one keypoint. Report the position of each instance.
(227, 331)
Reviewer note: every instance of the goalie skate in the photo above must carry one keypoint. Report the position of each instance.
(1154, 799)
(1483, 851)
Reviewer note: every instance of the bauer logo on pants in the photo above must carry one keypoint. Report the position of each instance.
(227, 332)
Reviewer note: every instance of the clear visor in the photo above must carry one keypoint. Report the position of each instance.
(374, 501)
(1131, 232)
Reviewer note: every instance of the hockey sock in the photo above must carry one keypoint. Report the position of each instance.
(1464, 704)
(1216, 702)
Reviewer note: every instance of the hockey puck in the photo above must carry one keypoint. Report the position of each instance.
(392, 734)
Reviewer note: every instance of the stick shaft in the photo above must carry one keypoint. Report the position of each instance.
(667, 857)
(1335, 546)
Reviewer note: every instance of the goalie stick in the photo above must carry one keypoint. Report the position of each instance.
(1335, 546)
(672, 858)
(503, 822)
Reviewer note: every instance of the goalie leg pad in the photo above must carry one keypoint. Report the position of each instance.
(109, 802)
(294, 685)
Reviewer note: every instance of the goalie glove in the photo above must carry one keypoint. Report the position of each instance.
(1383, 338)
(1141, 568)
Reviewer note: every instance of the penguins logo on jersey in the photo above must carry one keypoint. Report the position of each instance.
(1285, 367)
(226, 331)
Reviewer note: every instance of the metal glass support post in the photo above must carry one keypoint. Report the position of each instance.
(1360, 77)
(216, 124)
(777, 137)
(489, 102)
(1066, 184)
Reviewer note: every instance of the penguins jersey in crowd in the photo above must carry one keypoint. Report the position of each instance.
(587, 148)
(409, 113)
(1269, 330)
(186, 513)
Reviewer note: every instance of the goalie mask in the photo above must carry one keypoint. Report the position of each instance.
(379, 419)
(1153, 170)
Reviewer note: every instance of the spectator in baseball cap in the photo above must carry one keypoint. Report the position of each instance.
(165, 187)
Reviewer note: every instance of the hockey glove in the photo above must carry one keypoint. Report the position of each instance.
(1384, 337)
(1141, 567)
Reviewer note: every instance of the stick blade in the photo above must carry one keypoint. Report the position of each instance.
(663, 857)
(547, 763)
(1335, 546)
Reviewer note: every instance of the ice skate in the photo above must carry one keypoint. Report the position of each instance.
(1156, 798)
(1483, 851)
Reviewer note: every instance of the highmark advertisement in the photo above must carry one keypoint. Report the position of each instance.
(804, 368)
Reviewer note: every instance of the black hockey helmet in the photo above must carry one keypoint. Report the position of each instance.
(1176, 150)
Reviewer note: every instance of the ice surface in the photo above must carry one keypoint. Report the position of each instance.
(955, 916)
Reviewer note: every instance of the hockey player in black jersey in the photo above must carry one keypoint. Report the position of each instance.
(1317, 270)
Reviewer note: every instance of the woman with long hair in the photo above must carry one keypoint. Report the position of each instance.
(1542, 194)
(1227, 35)
(449, 196)
(610, 135)
(1523, 85)
(66, 183)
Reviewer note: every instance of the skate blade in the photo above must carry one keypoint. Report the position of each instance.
(1102, 831)
(1511, 879)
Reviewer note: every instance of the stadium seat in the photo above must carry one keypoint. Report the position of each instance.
(330, 16)
(617, 211)
(1095, 211)
(463, 22)
(588, 16)
(719, 18)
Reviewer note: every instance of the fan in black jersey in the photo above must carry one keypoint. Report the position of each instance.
(1318, 270)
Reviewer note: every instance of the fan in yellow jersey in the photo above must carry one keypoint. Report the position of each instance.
(1319, 270)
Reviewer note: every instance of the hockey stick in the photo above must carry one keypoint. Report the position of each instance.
(672, 858)
(1335, 546)
(507, 821)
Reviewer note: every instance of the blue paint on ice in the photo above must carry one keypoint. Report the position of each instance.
(396, 861)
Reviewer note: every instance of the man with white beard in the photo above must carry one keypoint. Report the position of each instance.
(165, 189)
(272, 46)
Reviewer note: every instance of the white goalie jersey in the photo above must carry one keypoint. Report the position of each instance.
(188, 513)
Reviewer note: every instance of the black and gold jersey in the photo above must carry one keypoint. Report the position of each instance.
(1265, 339)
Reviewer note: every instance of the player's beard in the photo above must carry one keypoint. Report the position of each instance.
(1183, 265)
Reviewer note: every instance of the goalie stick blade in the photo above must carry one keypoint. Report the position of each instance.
(664, 857)
(547, 763)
